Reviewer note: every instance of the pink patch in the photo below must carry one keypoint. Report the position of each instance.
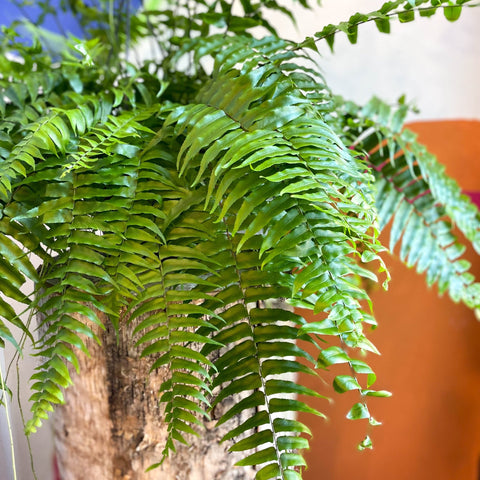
(56, 472)
(475, 197)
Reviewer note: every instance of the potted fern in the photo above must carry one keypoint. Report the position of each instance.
(174, 203)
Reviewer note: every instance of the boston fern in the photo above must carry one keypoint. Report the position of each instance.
(190, 192)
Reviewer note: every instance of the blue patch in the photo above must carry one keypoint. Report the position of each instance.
(59, 21)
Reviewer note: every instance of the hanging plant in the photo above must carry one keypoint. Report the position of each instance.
(182, 195)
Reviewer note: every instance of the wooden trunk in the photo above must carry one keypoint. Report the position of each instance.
(111, 424)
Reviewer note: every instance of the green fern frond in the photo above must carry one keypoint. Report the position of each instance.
(306, 178)
(111, 137)
(84, 228)
(403, 10)
(44, 135)
(301, 160)
(414, 191)
(173, 283)
(245, 367)
(17, 269)
(65, 294)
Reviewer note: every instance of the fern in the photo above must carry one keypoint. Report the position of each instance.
(415, 192)
(251, 335)
(186, 196)
(403, 10)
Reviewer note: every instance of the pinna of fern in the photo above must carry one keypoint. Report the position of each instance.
(414, 192)
(187, 214)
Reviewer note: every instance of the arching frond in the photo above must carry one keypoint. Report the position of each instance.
(414, 191)
(249, 333)
(403, 10)
(297, 220)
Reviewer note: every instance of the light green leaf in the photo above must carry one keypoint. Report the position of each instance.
(358, 411)
(344, 383)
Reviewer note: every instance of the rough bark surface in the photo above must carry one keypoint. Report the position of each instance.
(111, 424)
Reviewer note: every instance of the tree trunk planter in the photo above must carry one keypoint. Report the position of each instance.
(111, 427)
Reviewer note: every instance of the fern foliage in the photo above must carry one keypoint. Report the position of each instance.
(403, 11)
(421, 201)
(189, 195)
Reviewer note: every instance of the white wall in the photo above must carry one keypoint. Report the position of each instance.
(434, 62)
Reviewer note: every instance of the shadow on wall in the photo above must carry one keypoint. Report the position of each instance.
(430, 361)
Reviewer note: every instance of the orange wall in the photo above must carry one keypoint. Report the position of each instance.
(430, 361)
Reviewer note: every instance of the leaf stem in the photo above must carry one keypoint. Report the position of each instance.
(9, 424)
